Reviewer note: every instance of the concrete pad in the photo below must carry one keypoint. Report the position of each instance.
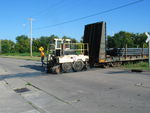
(11, 102)
(49, 103)
(32, 111)
(2, 70)
(18, 83)
(42, 101)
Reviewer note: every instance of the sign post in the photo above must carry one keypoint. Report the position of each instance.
(148, 41)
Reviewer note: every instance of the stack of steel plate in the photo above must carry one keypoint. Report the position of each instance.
(128, 51)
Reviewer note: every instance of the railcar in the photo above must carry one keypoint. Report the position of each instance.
(99, 54)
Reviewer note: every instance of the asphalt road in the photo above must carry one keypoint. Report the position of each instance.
(93, 91)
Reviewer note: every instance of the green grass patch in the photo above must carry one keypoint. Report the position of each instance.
(23, 57)
(139, 65)
(21, 54)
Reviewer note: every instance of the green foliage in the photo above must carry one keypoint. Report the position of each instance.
(140, 39)
(121, 39)
(45, 41)
(73, 40)
(22, 44)
(139, 65)
(21, 54)
(8, 46)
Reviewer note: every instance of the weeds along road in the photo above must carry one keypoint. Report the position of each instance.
(92, 91)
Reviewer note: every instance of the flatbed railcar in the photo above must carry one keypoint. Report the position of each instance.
(99, 54)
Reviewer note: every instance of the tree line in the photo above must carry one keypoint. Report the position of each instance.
(119, 40)
(22, 44)
(132, 40)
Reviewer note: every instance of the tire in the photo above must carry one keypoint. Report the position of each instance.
(56, 70)
(66, 67)
(78, 66)
(49, 66)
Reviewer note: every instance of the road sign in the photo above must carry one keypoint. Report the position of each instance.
(148, 39)
(41, 49)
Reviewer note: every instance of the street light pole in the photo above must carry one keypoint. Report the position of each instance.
(30, 19)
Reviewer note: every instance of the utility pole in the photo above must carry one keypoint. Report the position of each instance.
(149, 53)
(0, 46)
(31, 19)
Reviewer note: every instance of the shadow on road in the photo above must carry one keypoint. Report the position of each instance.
(31, 74)
(118, 72)
(147, 73)
(35, 67)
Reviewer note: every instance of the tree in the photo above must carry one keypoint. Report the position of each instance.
(139, 40)
(121, 39)
(8, 46)
(43, 41)
(22, 44)
(73, 40)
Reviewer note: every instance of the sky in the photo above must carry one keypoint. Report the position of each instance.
(15, 14)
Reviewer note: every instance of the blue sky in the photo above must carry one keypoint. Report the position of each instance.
(15, 13)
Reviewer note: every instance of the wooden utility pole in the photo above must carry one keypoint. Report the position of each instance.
(0, 46)
(30, 19)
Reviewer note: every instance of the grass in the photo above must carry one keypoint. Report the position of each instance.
(24, 56)
(21, 54)
(28, 84)
(139, 65)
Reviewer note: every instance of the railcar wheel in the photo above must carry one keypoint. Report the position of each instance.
(111, 64)
(118, 64)
(105, 65)
(66, 67)
(78, 65)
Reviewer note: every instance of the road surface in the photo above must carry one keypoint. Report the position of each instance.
(93, 91)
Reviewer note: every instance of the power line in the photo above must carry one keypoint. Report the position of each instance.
(95, 14)
(45, 10)
(50, 6)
